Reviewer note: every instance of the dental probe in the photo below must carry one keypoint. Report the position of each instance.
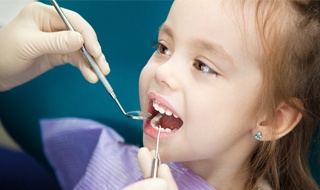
(139, 115)
(156, 159)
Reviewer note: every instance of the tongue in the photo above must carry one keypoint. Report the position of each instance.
(171, 122)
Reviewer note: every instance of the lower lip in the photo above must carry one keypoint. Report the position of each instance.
(152, 132)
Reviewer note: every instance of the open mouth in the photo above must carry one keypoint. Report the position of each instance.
(164, 118)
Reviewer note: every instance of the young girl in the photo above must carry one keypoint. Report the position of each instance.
(234, 85)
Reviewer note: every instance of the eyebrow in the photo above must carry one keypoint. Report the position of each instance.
(214, 48)
(166, 29)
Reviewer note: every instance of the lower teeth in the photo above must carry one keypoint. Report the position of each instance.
(155, 120)
(161, 129)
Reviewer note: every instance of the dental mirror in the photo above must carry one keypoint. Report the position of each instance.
(138, 115)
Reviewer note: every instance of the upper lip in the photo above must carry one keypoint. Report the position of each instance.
(162, 101)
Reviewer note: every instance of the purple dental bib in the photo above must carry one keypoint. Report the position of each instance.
(88, 155)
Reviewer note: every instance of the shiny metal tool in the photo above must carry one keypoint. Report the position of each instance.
(156, 158)
(139, 115)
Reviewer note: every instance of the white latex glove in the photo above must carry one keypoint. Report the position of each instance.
(165, 180)
(37, 40)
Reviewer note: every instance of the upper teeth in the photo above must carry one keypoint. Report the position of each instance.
(163, 110)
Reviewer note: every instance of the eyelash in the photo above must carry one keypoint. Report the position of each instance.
(157, 45)
(199, 65)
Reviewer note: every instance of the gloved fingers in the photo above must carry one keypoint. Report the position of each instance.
(59, 59)
(62, 42)
(80, 25)
(103, 64)
(38, 14)
(147, 184)
(84, 28)
(90, 42)
(145, 161)
(53, 23)
(45, 17)
(78, 60)
(88, 73)
(164, 172)
(66, 42)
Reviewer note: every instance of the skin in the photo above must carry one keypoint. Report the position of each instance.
(210, 89)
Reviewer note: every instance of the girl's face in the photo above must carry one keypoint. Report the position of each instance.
(203, 74)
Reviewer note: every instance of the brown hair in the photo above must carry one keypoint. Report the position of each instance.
(290, 36)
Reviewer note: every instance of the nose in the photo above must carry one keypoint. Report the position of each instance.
(168, 73)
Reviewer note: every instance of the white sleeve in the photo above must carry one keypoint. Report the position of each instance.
(10, 8)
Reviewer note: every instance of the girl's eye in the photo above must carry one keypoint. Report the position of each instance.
(162, 49)
(199, 65)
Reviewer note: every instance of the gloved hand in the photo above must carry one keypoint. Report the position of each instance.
(37, 40)
(164, 181)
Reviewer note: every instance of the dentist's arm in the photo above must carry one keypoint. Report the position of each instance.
(37, 40)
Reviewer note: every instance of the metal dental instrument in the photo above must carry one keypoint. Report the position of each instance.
(138, 115)
(156, 159)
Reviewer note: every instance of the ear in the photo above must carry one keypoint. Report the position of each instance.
(286, 118)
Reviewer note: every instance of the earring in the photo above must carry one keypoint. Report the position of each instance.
(258, 135)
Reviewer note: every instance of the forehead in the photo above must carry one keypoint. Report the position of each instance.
(224, 22)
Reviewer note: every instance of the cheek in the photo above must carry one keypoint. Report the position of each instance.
(221, 110)
(145, 77)
(144, 83)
